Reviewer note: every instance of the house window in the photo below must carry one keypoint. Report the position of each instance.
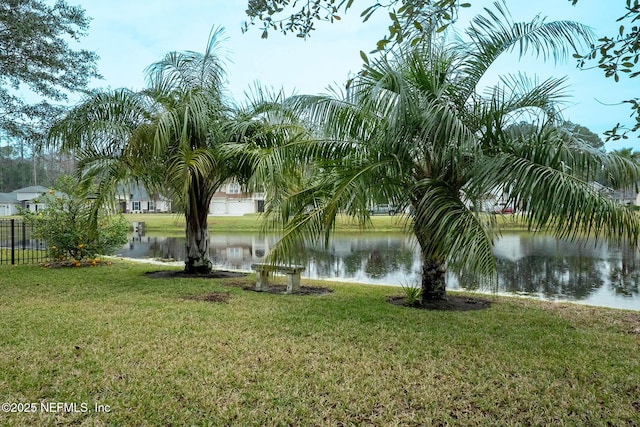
(136, 206)
(234, 253)
(233, 188)
(152, 206)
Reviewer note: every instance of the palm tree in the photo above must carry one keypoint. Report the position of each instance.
(413, 130)
(176, 136)
(628, 153)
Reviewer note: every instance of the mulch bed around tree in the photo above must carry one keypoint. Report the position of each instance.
(452, 303)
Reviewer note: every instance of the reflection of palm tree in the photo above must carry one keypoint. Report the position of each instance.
(556, 275)
(404, 260)
(376, 265)
(553, 276)
(323, 260)
(387, 258)
(352, 263)
(624, 276)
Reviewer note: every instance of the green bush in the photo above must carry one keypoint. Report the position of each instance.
(67, 227)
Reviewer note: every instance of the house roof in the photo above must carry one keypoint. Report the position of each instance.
(137, 192)
(32, 189)
(8, 198)
(12, 197)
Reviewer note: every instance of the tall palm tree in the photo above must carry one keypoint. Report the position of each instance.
(174, 136)
(413, 130)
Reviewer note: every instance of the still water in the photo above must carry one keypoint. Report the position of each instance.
(532, 265)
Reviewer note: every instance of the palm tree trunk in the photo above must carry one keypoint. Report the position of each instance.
(434, 268)
(434, 286)
(197, 260)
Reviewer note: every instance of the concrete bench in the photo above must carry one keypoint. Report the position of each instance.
(291, 271)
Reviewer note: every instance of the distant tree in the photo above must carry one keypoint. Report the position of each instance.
(43, 168)
(628, 153)
(35, 56)
(14, 171)
(573, 131)
(583, 133)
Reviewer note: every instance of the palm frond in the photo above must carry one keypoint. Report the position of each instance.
(184, 71)
(519, 92)
(448, 229)
(495, 33)
(107, 119)
(551, 180)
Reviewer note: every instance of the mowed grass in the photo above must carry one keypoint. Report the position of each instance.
(173, 225)
(156, 356)
(20, 256)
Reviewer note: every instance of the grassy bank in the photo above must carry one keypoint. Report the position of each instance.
(155, 355)
(173, 225)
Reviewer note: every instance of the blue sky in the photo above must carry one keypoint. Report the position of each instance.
(131, 34)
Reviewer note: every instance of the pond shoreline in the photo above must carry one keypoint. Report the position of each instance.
(487, 292)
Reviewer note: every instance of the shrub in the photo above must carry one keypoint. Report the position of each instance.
(67, 227)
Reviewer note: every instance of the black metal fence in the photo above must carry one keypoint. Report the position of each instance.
(17, 246)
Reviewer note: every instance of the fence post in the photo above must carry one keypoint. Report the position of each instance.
(13, 242)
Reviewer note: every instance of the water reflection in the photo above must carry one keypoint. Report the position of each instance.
(527, 264)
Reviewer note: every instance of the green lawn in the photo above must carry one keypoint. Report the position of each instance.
(173, 225)
(23, 256)
(155, 356)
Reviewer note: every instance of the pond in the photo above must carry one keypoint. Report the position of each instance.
(532, 265)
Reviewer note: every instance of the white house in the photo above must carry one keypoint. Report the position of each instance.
(230, 200)
(135, 199)
(497, 200)
(25, 198)
(628, 196)
(8, 204)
